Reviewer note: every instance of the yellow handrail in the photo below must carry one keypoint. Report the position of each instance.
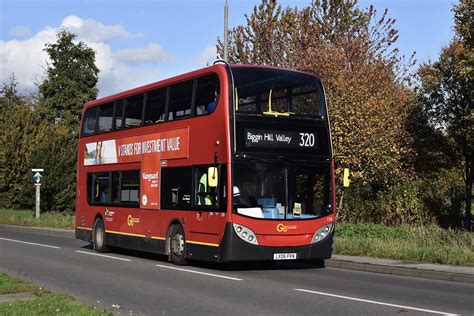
(270, 110)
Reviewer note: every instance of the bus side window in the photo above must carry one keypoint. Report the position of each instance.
(90, 187)
(106, 112)
(119, 114)
(133, 111)
(88, 125)
(155, 106)
(176, 188)
(101, 190)
(130, 187)
(116, 187)
(207, 94)
(181, 96)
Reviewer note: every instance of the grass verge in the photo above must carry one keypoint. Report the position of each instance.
(419, 244)
(46, 303)
(27, 218)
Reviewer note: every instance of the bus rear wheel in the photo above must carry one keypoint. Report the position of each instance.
(98, 236)
(177, 246)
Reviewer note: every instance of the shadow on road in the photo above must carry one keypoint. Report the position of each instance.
(226, 266)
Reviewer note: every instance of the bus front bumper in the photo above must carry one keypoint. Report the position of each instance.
(232, 248)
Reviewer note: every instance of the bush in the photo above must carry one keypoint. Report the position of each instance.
(444, 197)
(402, 203)
(358, 205)
(413, 201)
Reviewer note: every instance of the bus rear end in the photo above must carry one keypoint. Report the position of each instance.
(282, 169)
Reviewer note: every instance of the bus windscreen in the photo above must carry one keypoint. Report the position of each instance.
(275, 92)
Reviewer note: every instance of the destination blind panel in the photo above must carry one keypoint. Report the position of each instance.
(283, 139)
(279, 139)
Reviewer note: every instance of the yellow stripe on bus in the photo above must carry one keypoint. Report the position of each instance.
(153, 237)
(84, 228)
(126, 234)
(201, 243)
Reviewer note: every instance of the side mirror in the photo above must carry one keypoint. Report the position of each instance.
(346, 181)
(212, 176)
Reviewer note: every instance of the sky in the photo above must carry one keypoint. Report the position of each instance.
(143, 41)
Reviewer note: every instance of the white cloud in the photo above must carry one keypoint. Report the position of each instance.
(94, 31)
(20, 31)
(26, 58)
(207, 57)
(153, 53)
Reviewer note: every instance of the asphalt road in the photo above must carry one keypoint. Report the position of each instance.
(135, 283)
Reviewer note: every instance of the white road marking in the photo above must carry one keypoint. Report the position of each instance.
(30, 243)
(198, 272)
(100, 255)
(378, 303)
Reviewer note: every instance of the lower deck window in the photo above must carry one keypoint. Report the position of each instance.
(114, 187)
(176, 188)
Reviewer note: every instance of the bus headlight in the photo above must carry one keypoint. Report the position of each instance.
(245, 234)
(322, 233)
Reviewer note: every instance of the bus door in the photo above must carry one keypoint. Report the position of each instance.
(208, 224)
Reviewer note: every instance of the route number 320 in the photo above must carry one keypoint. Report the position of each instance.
(307, 140)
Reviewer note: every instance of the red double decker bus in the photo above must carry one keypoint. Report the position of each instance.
(226, 163)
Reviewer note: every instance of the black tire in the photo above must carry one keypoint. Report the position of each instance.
(98, 236)
(177, 243)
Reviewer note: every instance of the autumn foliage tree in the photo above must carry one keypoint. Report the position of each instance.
(353, 52)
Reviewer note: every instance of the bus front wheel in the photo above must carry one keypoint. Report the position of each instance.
(98, 236)
(177, 246)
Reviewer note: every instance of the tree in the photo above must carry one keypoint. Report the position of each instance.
(446, 93)
(18, 130)
(71, 80)
(352, 51)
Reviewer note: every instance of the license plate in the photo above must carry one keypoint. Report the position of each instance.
(284, 256)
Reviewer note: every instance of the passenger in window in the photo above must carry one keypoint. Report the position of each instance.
(211, 106)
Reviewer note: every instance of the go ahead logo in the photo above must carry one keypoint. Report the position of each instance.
(282, 228)
(132, 220)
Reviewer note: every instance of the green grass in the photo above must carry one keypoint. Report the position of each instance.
(419, 244)
(13, 285)
(27, 218)
(46, 303)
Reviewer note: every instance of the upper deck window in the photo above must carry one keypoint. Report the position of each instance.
(155, 106)
(181, 96)
(88, 124)
(133, 111)
(106, 114)
(207, 94)
(193, 97)
(276, 92)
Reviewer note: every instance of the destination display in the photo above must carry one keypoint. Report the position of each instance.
(279, 139)
(282, 138)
